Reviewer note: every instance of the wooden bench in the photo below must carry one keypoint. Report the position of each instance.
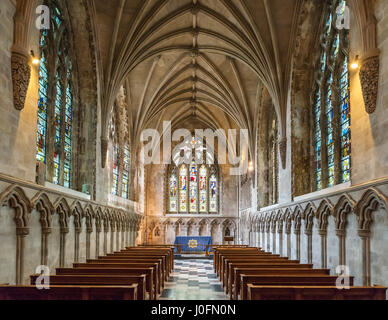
(121, 264)
(264, 259)
(234, 287)
(229, 274)
(168, 253)
(128, 292)
(256, 292)
(157, 274)
(138, 256)
(285, 280)
(231, 264)
(101, 280)
(151, 287)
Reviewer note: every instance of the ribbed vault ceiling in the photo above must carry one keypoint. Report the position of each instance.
(195, 61)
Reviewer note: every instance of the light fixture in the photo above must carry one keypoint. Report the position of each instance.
(250, 167)
(355, 64)
(35, 60)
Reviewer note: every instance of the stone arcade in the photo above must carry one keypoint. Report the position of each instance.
(76, 99)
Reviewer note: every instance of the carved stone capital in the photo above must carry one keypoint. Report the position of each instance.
(322, 232)
(22, 231)
(340, 232)
(21, 73)
(64, 230)
(46, 230)
(369, 77)
(364, 233)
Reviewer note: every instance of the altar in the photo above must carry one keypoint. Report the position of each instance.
(193, 244)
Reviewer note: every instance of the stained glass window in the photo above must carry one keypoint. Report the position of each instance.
(332, 99)
(42, 104)
(55, 104)
(183, 189)
(116, 167)
(125, 183)
(345, 123)
(195, 192)
(193, 188)
(173, 189)
(203, 189)
(213, 193)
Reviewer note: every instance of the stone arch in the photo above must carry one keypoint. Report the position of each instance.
(345, 205)
(325, 209)
(203, 227)
(370, 201)
(16, 199)
(45, 208)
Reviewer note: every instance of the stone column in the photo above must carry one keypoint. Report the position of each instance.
(273, 231)
(341, 234)
(297, 236)
(323, 235)
(62, 248)
(288, 233)
(44, 252)
(365, 238)
(309, 235)
(98, 231)
(280, 237)
(89, 231)
(118, 237)
(112, 237)
(21, 233)
(76, 244)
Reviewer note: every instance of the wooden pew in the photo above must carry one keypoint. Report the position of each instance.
(285, 280)
(123, 264)
(219, 252)
(234, 287)
(158, 279)
(263, 259)
(139, 255)
(169, 253)
(229, 274)
(256, 292)
(151, 286)
(98, 280)
(128, 292)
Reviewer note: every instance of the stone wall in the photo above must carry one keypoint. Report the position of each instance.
(42, 227)
(355, 216)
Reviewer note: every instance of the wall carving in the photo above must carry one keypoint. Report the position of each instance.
(21, 73)
(369, 77)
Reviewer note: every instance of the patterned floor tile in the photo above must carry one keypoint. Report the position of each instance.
(193, 280)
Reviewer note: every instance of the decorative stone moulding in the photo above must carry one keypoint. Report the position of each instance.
(369, 77)
(283, 152)
(21, 73)
(104, 151)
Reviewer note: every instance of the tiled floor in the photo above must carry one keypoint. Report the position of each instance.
(193, 279)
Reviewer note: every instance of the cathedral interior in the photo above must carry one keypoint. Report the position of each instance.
(102, 102)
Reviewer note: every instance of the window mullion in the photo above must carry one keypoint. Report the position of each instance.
(62, 127)
(323, 128)
(336, 122)
(50, 140)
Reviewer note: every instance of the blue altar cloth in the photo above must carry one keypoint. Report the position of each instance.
(193, 244)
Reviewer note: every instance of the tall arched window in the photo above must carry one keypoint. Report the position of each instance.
(331, 104)
(119, 146)
(193, 189)
(55, 106)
